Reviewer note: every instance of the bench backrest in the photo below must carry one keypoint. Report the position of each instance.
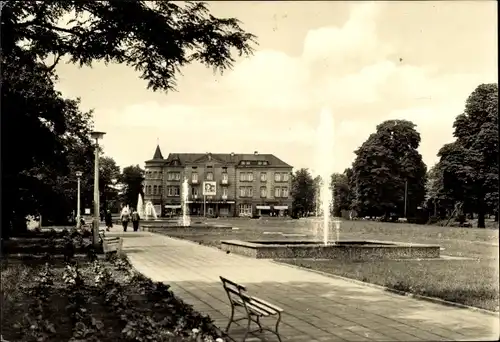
(233, 290)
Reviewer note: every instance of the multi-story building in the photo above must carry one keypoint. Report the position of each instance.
(219, 184)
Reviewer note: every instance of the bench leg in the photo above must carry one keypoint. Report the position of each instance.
(230, 319)
(248, 329)
(258, 323)
(277, 325)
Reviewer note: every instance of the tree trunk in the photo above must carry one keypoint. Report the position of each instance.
(480, 218)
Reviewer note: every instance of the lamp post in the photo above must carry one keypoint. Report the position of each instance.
(95, 223)
(78, 176)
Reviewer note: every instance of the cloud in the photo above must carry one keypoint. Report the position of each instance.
(271, 101)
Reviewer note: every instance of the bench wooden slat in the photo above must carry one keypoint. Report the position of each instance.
(269, 305)
(248, 299)
(238, 286)
(254, 309)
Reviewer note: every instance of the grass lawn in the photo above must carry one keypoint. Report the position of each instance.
(470, 282)
(44, 298)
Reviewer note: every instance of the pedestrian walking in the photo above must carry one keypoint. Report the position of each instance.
(135, 220)
(125, 217)
(109, 220)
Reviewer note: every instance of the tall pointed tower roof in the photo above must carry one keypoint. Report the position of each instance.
(158, 154)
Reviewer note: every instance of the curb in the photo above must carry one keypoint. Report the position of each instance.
(387, 289)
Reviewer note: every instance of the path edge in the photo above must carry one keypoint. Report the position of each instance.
(388, 289)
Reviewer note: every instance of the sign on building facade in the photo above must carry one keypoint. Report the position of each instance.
(209, 188)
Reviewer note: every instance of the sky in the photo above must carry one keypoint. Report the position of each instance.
(362, 62)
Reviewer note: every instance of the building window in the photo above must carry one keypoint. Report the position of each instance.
(155, 189)
(174, 176)
(277, 192)
(263, 176)
(285, 177)
(160, 190)
(194, 176)
(277, 177)
(284, 192)
(224, 191)
(210, 176)
(246, 176)
(225, 176)
(263, 192)
(173, 191)
(194, 191)
(148, 190)
(246, 191)
(245, 209)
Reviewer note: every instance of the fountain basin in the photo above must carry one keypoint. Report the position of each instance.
(342, 250)
(178, 228)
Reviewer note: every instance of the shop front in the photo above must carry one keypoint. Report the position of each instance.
(173, 210)
(263, 210)
(211, 208)
(280, 210)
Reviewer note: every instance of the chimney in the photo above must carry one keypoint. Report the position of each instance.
(256, 152)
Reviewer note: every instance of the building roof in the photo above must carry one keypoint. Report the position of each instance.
(158, 155)
(229, 158)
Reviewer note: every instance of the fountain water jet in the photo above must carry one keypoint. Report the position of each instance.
(149, 211)
(185, 220)
(140, 207)
(325, 136)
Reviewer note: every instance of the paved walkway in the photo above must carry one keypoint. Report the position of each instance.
(317, 308)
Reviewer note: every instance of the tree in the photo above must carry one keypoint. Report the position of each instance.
(340, 187)
(132, 178)
(386, 163)
(109, 176)
(303, 192)
(470, 163)
(157, 38)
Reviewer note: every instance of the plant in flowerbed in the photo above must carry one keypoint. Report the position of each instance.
(65, 242)
(148, 310)
(92, 301)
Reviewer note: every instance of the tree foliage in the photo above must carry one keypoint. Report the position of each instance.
(469, 165)
(303, 192)
(384, 163)
(340, 187)
(132, 178)
(156, 38)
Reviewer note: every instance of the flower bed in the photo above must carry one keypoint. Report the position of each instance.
(47, 299)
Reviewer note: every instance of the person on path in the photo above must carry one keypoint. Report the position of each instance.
(109, 220)
(125, 217)
(135, 220)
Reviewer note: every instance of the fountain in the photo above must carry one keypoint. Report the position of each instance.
(343, 250)
(325, 167)
(185, 219)
(140, 207)
(149, 211)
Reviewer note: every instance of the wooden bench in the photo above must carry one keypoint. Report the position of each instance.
(255, 308)
(110, 244)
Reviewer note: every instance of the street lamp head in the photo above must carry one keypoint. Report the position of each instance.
(79, 174)
(97, 135)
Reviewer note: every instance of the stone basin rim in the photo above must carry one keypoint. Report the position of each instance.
(319, 244)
